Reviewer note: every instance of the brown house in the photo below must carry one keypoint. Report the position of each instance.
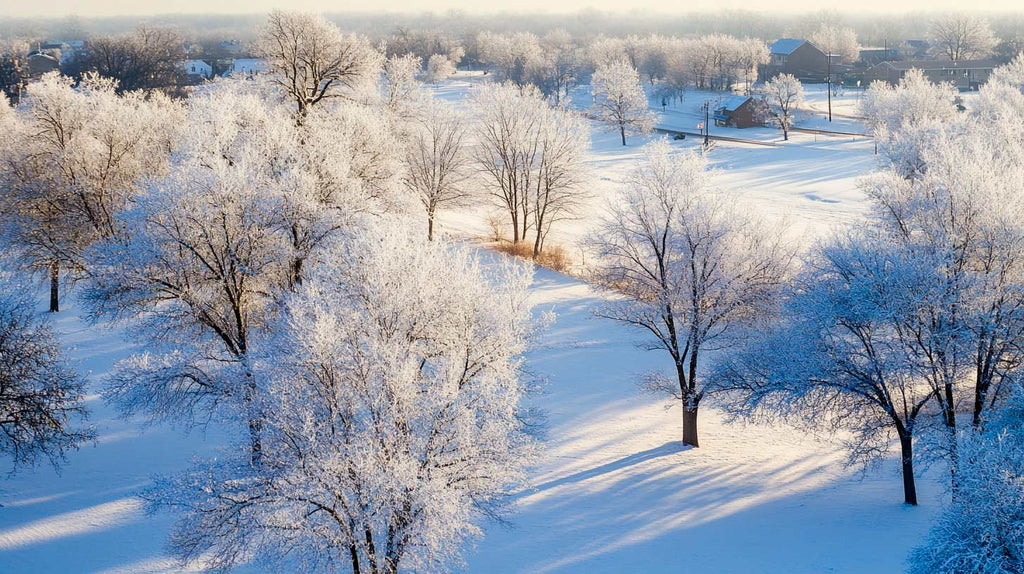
(798, 57)
(965, 74)
(741, 112)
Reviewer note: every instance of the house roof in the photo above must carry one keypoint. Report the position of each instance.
(904, 65)
(41, 55)
(786, 46)
(733, 103)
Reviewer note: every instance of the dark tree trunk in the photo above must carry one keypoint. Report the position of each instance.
(622, 132)
(690, 426)
(54, 287)
(907, 459)
(354, 555)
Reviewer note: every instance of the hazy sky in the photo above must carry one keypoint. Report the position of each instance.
(125, 7)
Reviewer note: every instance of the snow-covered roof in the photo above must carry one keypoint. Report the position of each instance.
(244, 66)
(786, 46)
(733, 102)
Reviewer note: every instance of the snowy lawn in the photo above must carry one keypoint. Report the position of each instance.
(615, 492)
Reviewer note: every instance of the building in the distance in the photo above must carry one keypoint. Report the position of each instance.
(197, 68)
(797, 57)
(741, 112)
(39, 63)
(965, 74)
(246, 67)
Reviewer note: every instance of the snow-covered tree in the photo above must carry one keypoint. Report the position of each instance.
(559, 72)
(783, 94)
(393, 420)
(401, 87)
(209, 250)
(620, 101)
(604, 51)
(836, 359)
(312, 60)
(903, 118)
(439, 69)
(962, 36)
(516, 57)
(199, 274)
(437, 161)
(983, 528)
(693, 270)
(41, 410)
(71, 161)
(530, 157)
(559, 187)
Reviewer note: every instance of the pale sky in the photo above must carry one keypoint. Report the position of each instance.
(143, 7)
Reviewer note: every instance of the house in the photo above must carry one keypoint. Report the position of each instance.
(798, 57)
(38, 63)
(965, 74)
(247, 67)
(197, 68)
(872, 56)
(741, 112)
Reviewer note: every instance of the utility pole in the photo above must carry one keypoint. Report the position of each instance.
(707, 124)
(828, 80)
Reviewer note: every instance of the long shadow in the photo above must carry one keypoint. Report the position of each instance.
(625, 462)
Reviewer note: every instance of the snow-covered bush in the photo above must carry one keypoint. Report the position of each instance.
(439, 69)
(982, 531)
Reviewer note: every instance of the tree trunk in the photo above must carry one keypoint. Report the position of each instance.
(690, 426)
(54, 287)
(907, 459)
(622, 132)
(430, 226)
(354, 555)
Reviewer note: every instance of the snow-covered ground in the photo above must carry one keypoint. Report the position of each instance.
(614, 492)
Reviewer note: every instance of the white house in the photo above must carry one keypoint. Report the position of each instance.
(198, 68)
(247, 67)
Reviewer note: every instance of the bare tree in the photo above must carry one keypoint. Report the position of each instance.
(312, 60)
(963, 36)
(693, 272)
(561, 172)
(437, 159)
(507, 146)
(146, 59)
